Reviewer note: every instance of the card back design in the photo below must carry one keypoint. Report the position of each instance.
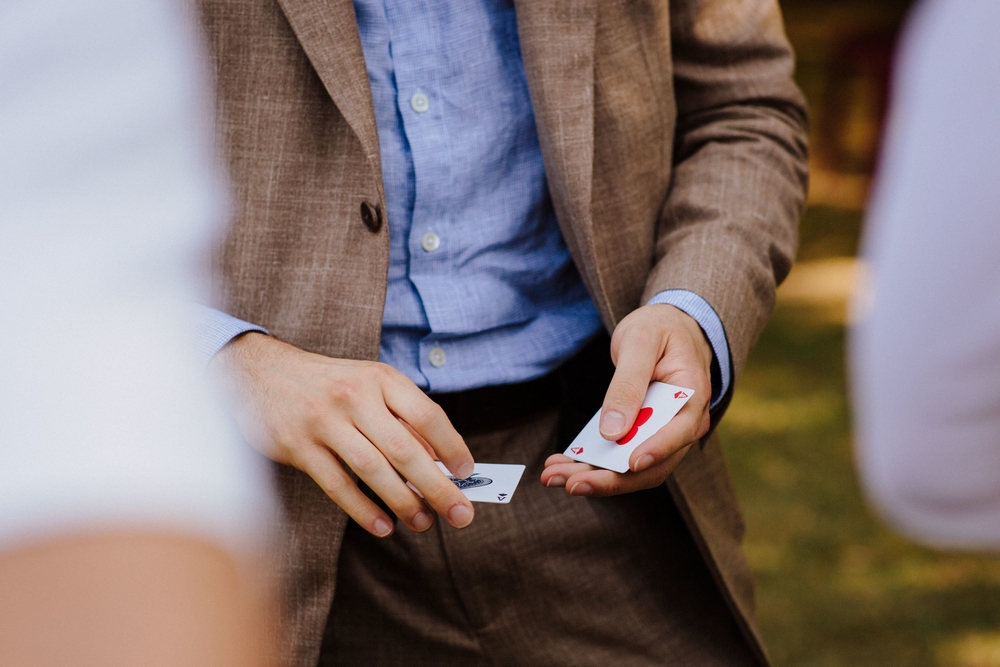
(488, 483)
(471, 482)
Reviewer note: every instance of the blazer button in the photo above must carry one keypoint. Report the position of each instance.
(371, 216)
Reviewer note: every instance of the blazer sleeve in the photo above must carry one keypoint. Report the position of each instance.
(729, 226)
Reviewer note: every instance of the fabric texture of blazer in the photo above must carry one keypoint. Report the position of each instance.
(674, 142)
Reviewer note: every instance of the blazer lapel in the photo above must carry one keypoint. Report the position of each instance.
(557, 44)
(328, 31)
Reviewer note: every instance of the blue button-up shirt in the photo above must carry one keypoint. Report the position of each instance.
(482, 289)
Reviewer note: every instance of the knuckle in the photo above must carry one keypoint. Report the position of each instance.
(400, 449)
(626, 393)
(427, 415)
(283, 436)
(379, 372)
(289, 452)
(697, 430)
(357, 507)
(314, 421)
(344, 393)
(440, 494)
(299, 450)
(330, 477)
(332, 483)
(367, 462)
(315, 408)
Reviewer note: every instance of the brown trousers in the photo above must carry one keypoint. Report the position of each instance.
(549, 579)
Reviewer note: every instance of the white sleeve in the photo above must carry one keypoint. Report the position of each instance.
(926, 351)
(108, 199)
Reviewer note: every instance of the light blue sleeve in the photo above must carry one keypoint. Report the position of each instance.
(214, 328)
(709, 321)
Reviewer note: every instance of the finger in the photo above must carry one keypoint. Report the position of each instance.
(556, 474)
(377, 472)
(407, 456)
(602, 483)
(679, 432)
(320, 464)
(419, 438)
(429, 420)
(637, 357)
(558, 458)
(593, 482)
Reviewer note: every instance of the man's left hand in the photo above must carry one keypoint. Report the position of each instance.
(656, 342)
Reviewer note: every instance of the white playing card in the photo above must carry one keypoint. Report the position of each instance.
(488, 483)
(663, 401)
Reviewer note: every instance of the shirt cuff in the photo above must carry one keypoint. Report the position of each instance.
(214, 328)
(711, 325)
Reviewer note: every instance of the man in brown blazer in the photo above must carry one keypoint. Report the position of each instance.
(670, 145)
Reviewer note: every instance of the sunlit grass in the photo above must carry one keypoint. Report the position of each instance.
(972, 650)
(835, 587)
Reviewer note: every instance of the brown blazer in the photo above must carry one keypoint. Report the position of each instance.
(675, 150)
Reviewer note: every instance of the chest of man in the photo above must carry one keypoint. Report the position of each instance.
(308, 251)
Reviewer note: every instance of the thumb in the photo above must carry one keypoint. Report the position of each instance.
(636, 362)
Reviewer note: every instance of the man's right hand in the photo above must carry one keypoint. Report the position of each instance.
(317, 414)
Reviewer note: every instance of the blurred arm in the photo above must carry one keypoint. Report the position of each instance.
(926, 353)
(125, 599)
(127, 506)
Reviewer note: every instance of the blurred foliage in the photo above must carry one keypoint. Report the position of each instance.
(829, 232)
(844, 51)
(835, 586)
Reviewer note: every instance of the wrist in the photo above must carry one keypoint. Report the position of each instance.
(240, 348)
(677, 318)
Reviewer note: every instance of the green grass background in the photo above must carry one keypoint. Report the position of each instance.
(835, 587)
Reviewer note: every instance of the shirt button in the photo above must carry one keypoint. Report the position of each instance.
(437, 357)
(430, 242)
(420, 103)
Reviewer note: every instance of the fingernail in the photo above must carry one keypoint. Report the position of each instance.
(612, 422)
(422, 521)
(466, 470)
(460, 516)
(556, 480)
(382, 527)
(643, 463)
(581, 489)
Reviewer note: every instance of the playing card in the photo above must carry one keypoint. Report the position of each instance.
(663, 401)
(488, 483)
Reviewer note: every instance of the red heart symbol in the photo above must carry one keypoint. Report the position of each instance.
(643, 417)
(576, 450)
(680, 394)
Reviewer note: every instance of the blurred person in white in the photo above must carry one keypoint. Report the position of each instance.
(926, 346)
(129, 512)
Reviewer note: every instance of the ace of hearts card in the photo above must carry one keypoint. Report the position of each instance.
(663, 402)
